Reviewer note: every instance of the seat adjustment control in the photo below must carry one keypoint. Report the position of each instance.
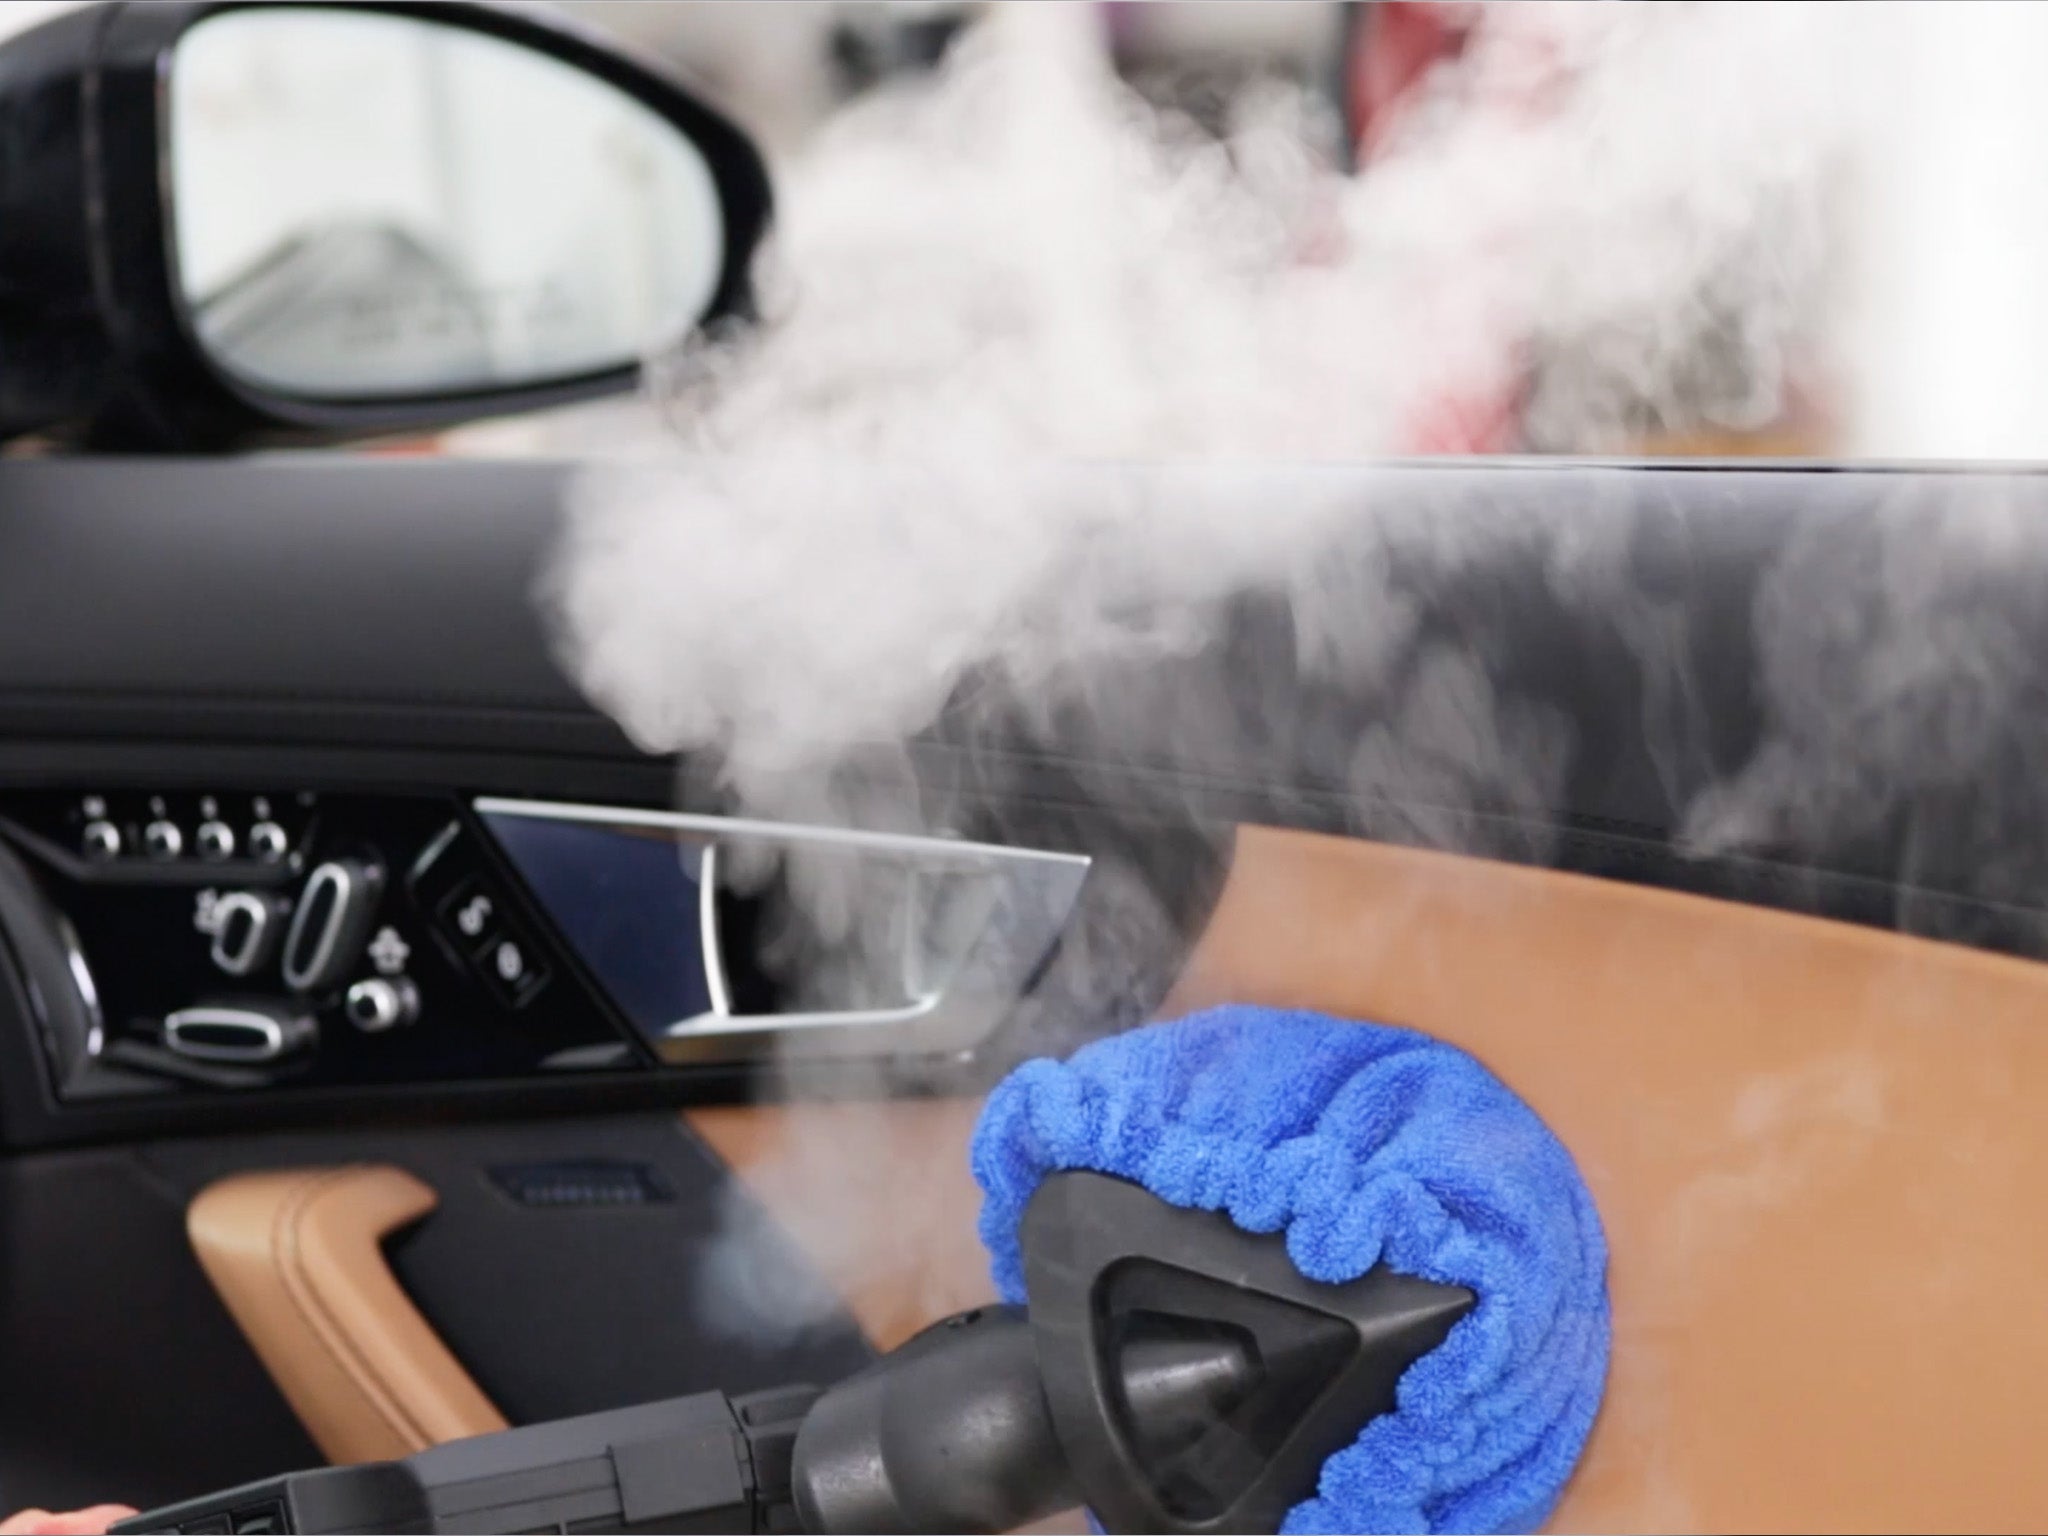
(332, 921)
(245, 1033)
(247, 926)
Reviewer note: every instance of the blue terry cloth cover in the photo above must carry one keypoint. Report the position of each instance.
(1363, 1143)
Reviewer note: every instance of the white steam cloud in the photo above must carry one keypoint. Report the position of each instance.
(979, 282)
(1032, 353)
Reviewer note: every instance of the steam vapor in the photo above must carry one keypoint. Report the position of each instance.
(1042, 442)
(980, 285)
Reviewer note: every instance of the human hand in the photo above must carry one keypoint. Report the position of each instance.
(76, 1522)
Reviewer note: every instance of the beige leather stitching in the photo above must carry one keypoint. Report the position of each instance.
(296, 1256)
(302, 1284)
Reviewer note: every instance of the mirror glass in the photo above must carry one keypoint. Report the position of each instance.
(377, 207)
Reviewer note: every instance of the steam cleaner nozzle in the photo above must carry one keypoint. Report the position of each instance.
(1171, 1372)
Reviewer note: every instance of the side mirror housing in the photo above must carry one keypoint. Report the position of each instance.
(230, 223)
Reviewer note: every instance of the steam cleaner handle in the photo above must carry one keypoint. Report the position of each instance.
(950, 1432)
(701, 1463)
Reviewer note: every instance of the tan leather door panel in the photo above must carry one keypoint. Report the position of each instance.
(296, 1254)
(1821, 1152)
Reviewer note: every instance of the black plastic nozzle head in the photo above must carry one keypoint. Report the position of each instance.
(1196, 1380)
(1172, 1372)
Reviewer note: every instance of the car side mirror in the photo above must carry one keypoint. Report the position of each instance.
(231, 223)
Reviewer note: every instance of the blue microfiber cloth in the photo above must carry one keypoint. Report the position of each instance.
(1363, 1143)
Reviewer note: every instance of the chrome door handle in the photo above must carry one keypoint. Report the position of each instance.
(973, 921)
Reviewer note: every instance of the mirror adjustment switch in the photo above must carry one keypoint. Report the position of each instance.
(380, 1003)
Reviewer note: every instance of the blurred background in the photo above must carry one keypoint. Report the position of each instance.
(1793, 230)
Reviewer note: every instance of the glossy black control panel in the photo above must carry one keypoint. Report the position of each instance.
(239, 939)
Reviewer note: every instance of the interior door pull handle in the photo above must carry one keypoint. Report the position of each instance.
(297, 1256)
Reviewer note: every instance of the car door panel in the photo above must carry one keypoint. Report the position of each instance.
(559, 1303)
(291, 601)
(898, 1241)
(134, 1382)
(1764, 1079)
(297, 1255)
(1811, 1144)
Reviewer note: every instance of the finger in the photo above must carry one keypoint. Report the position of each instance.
(24, 1522)
(76, 1522)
